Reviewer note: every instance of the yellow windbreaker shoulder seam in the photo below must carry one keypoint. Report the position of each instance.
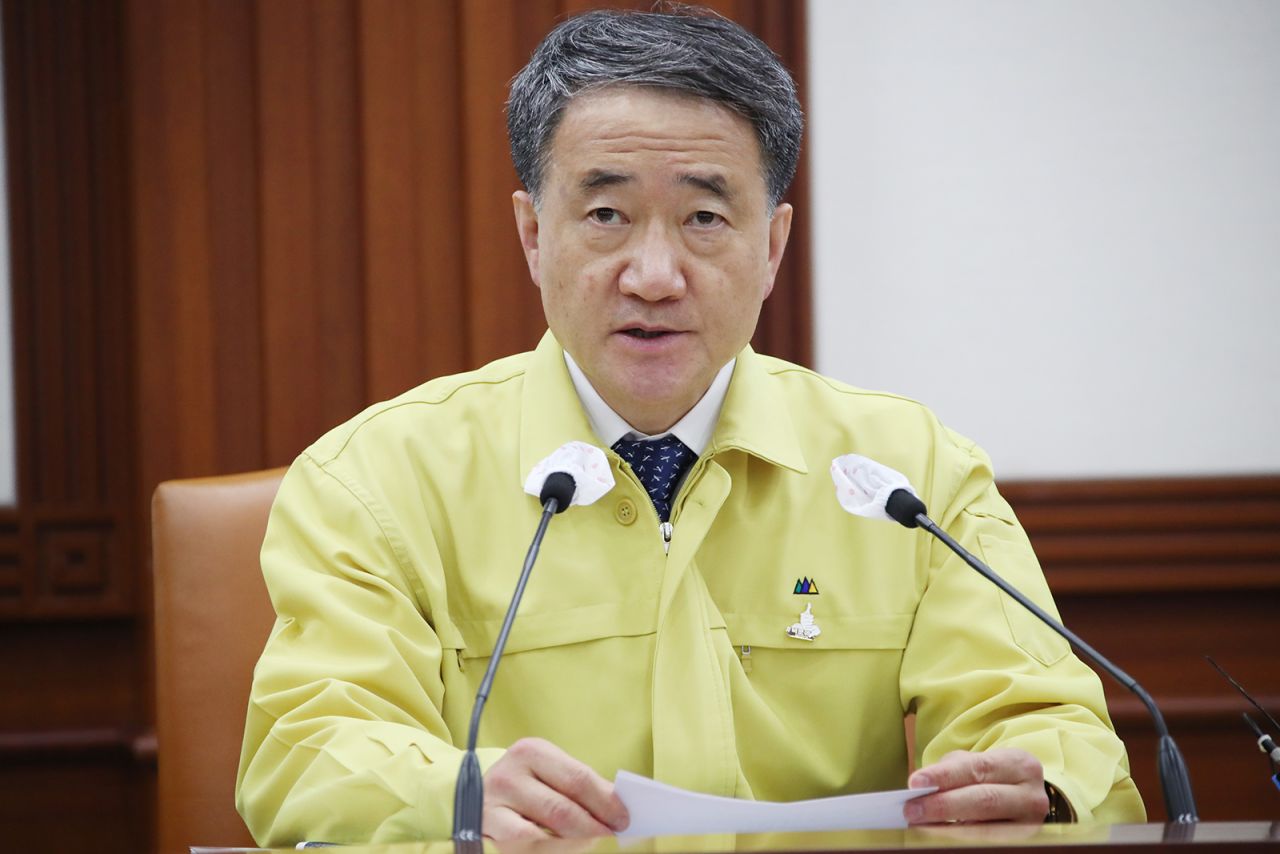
(408, 399)
(778, 367)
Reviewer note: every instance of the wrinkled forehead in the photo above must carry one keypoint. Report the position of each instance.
(622, 119)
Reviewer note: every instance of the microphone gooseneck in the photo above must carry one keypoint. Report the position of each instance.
(468, 797)
(908, 510)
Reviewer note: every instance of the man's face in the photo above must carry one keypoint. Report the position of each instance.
(653, 246)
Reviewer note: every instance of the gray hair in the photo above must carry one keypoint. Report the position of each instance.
(684, 50)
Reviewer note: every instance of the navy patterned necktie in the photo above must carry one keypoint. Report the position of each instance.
(658, 463)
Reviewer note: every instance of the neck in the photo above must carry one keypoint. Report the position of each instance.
(652, 420)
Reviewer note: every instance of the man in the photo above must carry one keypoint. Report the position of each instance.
(653, 637)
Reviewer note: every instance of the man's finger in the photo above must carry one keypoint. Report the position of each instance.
(961, 768)
(559, 813)
(520, 800)
(503, 823)
(542, 784)
(983, 802)
(579, 783)
(998, 785)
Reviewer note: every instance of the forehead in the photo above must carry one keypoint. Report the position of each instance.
(644, 132)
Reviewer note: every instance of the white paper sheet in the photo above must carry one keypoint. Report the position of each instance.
(661, 810)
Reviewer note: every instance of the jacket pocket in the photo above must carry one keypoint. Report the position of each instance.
(1029, 633)
(476, 638)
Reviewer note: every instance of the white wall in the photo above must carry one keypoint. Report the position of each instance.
(1057, 223)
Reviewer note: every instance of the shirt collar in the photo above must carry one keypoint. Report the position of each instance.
(694, 429)
(753, 416)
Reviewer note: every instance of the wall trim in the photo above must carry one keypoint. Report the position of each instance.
(1153, 534)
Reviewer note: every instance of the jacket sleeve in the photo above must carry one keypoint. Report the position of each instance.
(981, 672)
(344, 739)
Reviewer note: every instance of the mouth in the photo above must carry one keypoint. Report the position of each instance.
(646, 334)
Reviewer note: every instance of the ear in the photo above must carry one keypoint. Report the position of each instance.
(527, 228)
(779, 231)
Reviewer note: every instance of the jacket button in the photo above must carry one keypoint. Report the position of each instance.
(625, 512)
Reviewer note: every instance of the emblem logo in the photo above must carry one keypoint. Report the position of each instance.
(806, 587)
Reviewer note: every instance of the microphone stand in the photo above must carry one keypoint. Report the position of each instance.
(1179, 802)
(468, 795)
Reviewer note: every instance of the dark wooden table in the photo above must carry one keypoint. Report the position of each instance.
(1079, 838)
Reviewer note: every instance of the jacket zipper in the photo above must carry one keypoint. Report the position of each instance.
(666, 529)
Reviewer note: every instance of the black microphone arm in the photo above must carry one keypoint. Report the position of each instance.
(468, 796)
(1179, 803)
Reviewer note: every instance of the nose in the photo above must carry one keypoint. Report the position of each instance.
(653, 268)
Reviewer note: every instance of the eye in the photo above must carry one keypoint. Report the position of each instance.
(606, 216)
(706, 218)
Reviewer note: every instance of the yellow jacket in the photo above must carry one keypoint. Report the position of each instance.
(396, 540)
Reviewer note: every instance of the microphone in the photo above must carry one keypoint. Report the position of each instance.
(576, 473)
(866, 488)
(1265, 742)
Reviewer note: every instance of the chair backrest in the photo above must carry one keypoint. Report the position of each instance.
(212, 617)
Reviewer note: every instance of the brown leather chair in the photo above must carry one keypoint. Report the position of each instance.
(212, 617)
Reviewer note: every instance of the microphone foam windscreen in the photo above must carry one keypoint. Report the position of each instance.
(903, 507)
(560, 486)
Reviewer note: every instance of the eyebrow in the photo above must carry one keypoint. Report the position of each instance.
(713, 184)
(598, 179)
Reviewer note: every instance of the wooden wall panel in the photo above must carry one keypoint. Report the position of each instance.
(66, 547)
(786, 328)
(297, 291)
(174, 363)
(338, 230)
(234, 234)
(71, 695)
(504, 311)
(415, 277)
(89, 800)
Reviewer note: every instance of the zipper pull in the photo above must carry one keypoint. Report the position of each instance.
(667, 529)
(746, 658)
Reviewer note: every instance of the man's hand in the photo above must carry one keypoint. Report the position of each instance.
(998, 785)
(538, 788)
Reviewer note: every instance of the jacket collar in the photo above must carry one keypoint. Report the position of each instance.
(550, 413)
(755, 417)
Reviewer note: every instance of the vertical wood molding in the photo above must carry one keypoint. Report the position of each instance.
(234, 235)
(174, 360)
(415, 282)
(504, 310)
(786, 325)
